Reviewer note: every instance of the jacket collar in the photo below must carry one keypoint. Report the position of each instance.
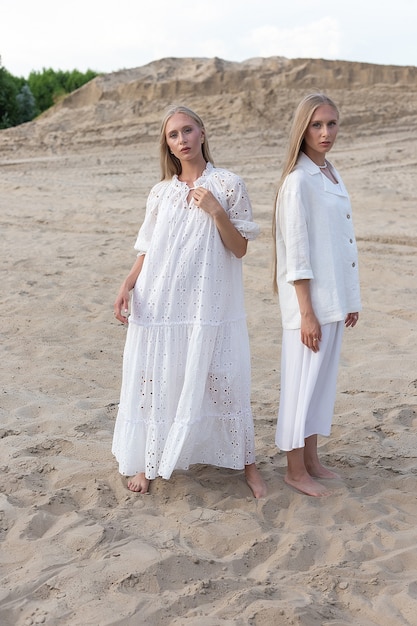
(311, 168)
(307, 164)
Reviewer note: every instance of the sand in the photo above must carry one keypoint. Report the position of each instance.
(77, 547)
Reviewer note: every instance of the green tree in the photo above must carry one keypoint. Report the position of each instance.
(49, 86)
(8, 104)
(44, 86)
(26, 104)
(75, 79)
(21, 100)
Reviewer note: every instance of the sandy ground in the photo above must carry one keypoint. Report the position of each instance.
(76, 546)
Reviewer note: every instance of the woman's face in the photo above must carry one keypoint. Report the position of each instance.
(321, 133)
(184, 137)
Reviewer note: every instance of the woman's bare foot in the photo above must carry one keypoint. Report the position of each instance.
(255, 481)
(138, 483)
(306, 484)
(320, 471)
(311, 460)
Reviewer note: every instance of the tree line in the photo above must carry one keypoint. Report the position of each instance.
(21, 100)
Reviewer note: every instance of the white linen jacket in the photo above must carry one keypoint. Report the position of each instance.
(315, 240)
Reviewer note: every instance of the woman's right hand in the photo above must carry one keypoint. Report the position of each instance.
(310, 327)
(121, 305)
(311, 332)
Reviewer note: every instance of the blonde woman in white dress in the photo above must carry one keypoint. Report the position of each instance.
(318, 286)
(185, 396)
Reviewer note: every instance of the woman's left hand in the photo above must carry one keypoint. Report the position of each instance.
(204, 199)
(231, 237)
(351, 319)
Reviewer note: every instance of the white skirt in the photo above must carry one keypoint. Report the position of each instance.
(308, 386)
(185, 399)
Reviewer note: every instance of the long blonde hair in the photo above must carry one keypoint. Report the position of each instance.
(169, 163)
(302, 116)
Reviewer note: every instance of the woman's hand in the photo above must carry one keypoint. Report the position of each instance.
(310, 327)
(310, 332)
(204, 199)
(121, 305)
(351, 319)
(231, 237)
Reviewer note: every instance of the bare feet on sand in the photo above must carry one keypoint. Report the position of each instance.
(255, 481)
(304, 481)
(306, 484)
(319, 471)
(303, 466)
(138, 483)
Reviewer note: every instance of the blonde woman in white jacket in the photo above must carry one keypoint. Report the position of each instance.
(316, 273)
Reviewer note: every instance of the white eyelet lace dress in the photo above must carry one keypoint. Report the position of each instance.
(185, 395)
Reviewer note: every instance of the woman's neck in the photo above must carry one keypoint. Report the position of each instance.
(191, 171)
(318, 158)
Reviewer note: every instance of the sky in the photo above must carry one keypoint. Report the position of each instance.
(107, 36)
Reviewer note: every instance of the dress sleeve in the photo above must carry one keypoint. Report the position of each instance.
(292, 218)
(143, 240)
(239, 208)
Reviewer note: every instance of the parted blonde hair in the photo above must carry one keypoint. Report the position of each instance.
(170, 165)
(302, 117)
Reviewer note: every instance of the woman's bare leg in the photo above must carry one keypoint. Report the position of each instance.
(255, 481)
(298, 477)
(312, 461)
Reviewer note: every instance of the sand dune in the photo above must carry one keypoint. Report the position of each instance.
(77, 547)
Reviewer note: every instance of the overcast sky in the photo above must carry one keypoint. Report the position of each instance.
(108, 36)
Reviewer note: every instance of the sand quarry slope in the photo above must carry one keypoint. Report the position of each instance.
(76, 546)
